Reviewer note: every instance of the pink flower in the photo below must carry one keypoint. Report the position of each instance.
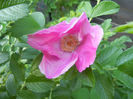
(66, 44)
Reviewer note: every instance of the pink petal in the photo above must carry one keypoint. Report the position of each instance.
(42, 39)
(79, 26)
(45, 39)
(97, 34)
(52, 66)
(88, 47)
(55, 61)
(39, 39)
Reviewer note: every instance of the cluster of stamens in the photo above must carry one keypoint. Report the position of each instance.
(69, 43)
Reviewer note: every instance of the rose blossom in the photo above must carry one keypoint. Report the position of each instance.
(66, 44)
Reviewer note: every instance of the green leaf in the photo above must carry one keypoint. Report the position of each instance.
(124, 78)
(125, 62)
(39, 17)
(108, 56)
(120, 92)
(125, 57)
(117, 95)
(2, 89)
(14, 12)
(74, 85)
(119, 42)
(71, 73)
(82, 93)
(3, 57)
(39, 87)
(8, 3)
(37, 61)
(29, 53)
(130, 95)
(11, 85)
(35, 70)
(128, 28)
(87, 78)
(106, 25)
(39, 84)
(3, 68)
(4, 95)
(17, 68)
(86, 7)
(61, 93)
(22, 45)
(105, 8)
(98, 67)
(103, 88)
(72, 76)
(28, 24)
(33, 78)
(127, 68)
(26, 94)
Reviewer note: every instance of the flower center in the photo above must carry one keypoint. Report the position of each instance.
(69, 43)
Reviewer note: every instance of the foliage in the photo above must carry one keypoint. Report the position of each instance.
(30, 24)
(13, 9)
(128, 28)
(9, 3)
(110, 77)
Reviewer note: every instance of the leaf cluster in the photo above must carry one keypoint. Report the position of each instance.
(110, 77)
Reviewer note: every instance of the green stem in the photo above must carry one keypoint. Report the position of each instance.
(110, 69)
(90, 19)
(23, 85)
(98, 1)
(50, 96)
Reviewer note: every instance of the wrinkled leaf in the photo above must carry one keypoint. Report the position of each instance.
(108, 56)
(28, 24)
(128, 28)
(4, 95)
(11, 85)
(125, 57)
(26, 94)
(87, 78)
(3, 57)
(14, 12)
(29, 53)
(130, 95)
(17, 68)
(39, 84)
(103, 88)
(35, 65)
(105, 8)
(8, 3)
(39, 87)
(82, 93)
(119, 42)
(86, 7)
(124, 78)
(106, 25)
(61, 93)
(127, 68)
